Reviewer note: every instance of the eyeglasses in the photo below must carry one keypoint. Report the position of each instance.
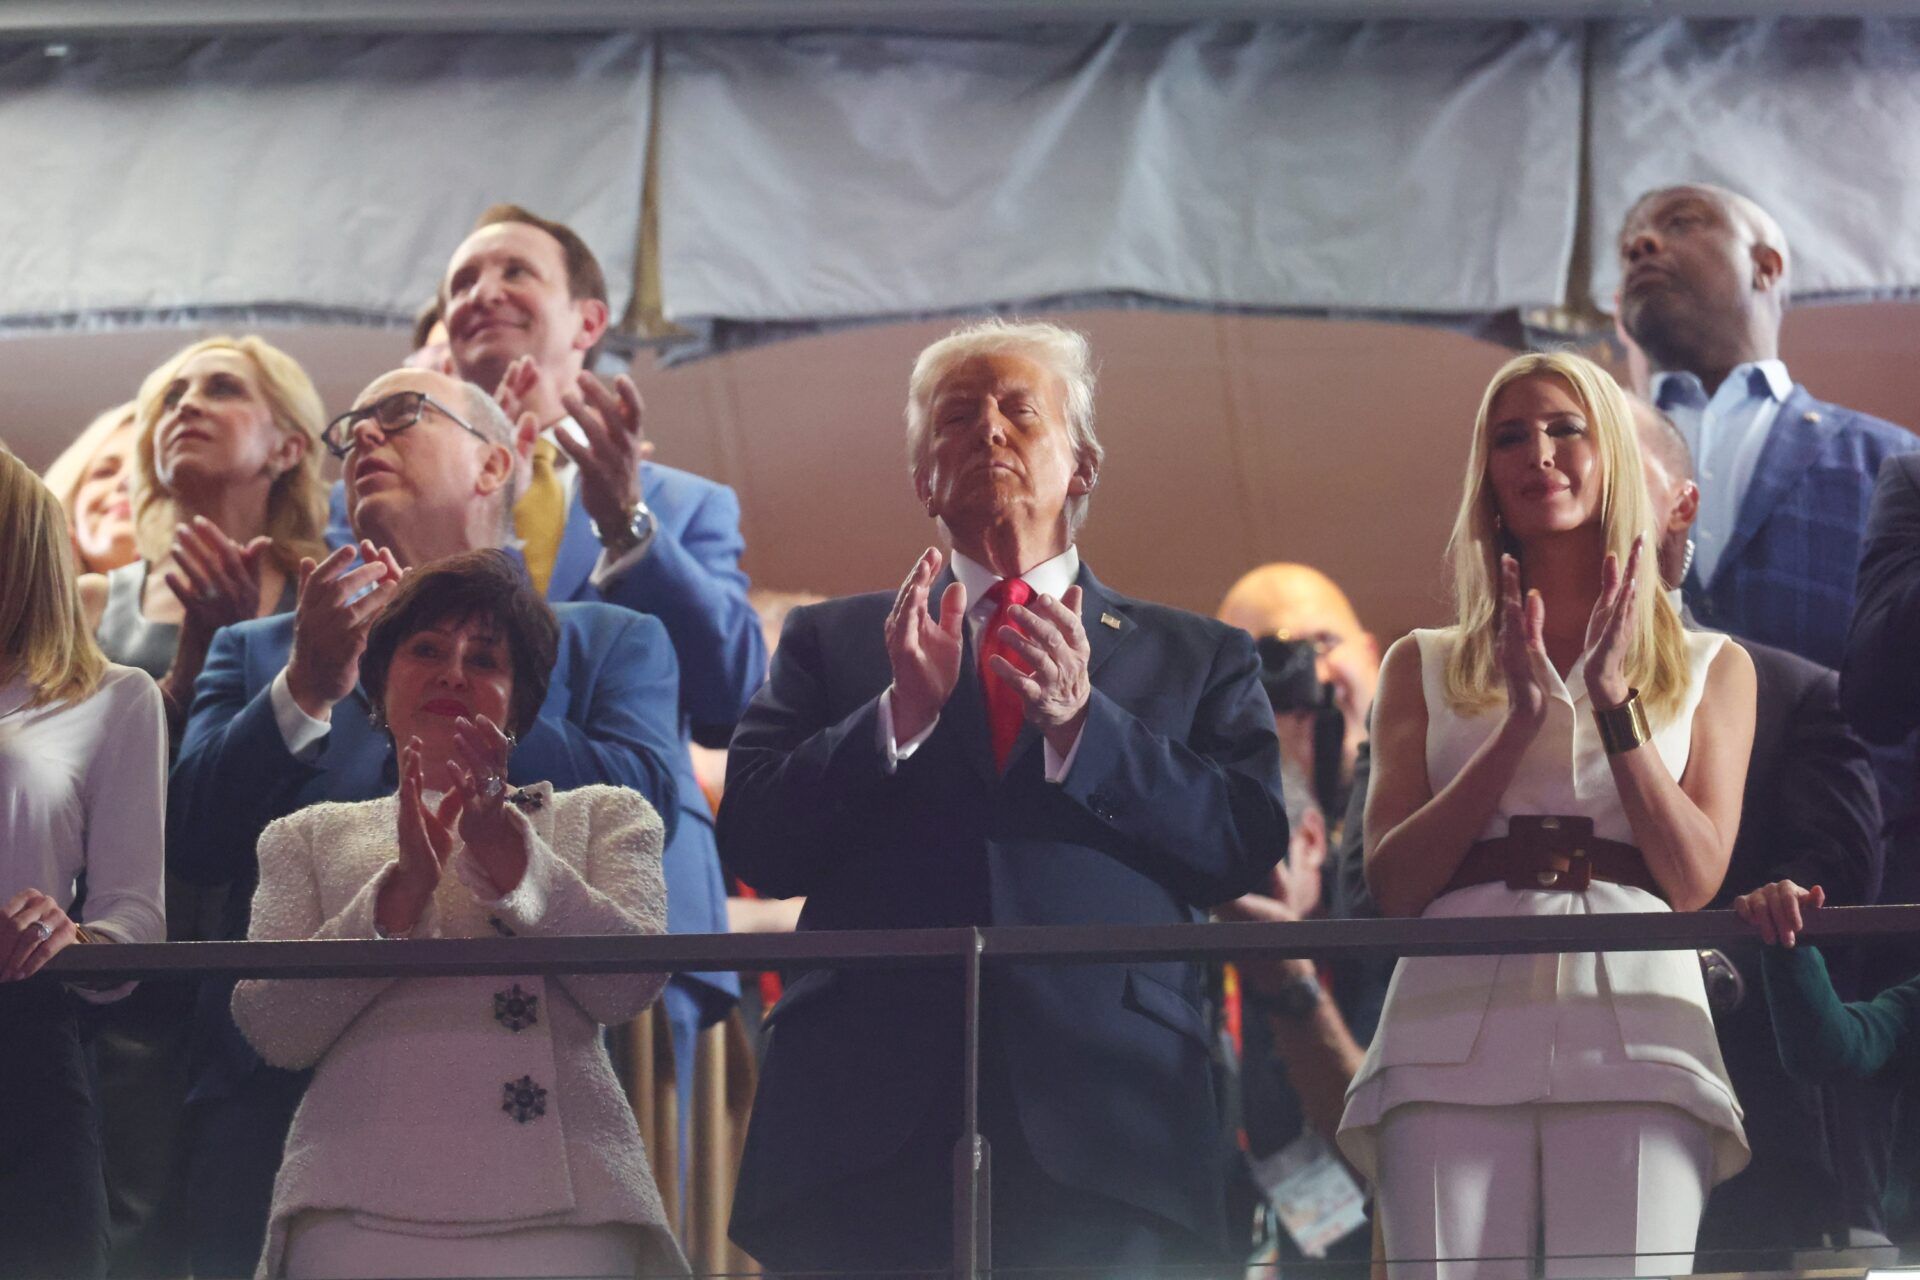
(393, 414)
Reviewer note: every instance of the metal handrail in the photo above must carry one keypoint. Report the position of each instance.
(968, 948)
(997, 944)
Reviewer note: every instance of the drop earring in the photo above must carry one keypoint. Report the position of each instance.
(1686, 561)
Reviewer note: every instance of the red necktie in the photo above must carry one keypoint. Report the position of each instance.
(1005, 710)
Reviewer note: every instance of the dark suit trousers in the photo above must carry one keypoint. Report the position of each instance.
(898, 1218)
(233, 1153)
(53, 1201)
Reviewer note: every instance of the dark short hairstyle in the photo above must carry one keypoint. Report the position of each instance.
(584, 277)
(486, 584)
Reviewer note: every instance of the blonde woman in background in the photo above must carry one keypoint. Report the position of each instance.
(227, 497)
(83, 755)
(93, 479)
(1565, 748)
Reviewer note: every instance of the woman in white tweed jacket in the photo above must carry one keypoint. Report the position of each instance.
(459, 1126)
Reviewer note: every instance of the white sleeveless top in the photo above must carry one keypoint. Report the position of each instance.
(1507, 1030)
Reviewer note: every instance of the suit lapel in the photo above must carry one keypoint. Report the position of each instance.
(1799, 431)
(579, 549)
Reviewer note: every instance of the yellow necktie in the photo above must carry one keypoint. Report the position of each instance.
(540, 517)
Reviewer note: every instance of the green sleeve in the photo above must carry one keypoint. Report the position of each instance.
(1823, 1038)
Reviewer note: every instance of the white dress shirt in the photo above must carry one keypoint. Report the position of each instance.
(1726, 433)
(1048, 578)
(83, 788)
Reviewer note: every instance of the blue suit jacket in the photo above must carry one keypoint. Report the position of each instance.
(1172, 804)
(1786, 576)
(690, 579)
(608, 717)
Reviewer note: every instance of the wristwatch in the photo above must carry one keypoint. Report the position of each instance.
(635, 535)
(1297, 997)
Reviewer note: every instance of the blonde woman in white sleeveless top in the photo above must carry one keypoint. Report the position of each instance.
(1565, 748)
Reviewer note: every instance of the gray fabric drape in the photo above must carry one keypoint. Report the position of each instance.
(177, 180)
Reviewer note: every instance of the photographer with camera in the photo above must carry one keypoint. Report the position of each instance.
(1320, 668)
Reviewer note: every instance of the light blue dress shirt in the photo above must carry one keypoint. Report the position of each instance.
(1726, 433)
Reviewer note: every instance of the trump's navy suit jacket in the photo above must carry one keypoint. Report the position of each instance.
(1172, 804)
(690, 579)
(608, 717)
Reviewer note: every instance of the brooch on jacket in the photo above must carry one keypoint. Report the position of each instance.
(524, 1100)
(525, 799)
(516, 1010)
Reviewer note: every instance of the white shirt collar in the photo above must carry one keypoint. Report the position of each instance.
(1686, 386)
(1048, 578)
(14, 694)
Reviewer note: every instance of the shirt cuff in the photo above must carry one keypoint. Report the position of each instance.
(1057, 764)
(606, 569)
(301, 732)
(894, 752)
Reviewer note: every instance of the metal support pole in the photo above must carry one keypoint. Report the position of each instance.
(972, 1160)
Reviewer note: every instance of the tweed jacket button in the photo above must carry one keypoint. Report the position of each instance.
(516, 1010)
(524, 1100)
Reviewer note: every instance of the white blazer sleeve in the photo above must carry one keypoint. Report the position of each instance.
(292, 1022)
(621, 891)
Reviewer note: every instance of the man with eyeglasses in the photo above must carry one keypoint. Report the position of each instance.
(524, 305)
(279, 723)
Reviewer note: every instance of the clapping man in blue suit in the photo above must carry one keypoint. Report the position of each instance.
(1004, 740)
(525, 305)
(279, 722)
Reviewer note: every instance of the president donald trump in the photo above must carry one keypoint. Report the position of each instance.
(1002, 741)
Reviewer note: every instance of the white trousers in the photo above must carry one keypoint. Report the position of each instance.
(1609, 1189)
(334, 1246)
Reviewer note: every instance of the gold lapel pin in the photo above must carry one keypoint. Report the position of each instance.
(1810, 417)
(1108, 620)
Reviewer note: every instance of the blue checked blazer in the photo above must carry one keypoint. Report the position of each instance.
(1786, 577)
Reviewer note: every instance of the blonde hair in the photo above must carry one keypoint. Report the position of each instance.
(64, 474)
(1656, 659)
(43, 632)
(297, 502)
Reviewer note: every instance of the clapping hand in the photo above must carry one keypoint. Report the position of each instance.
(1610, 629)
(33, 929)
(524, 390)
(480, 787)
(216, 580)
(615, 445)
(1776, 909)
(336, 609)
(1521, 647)
(426, 842)
(1054, 643)
(924, 654)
